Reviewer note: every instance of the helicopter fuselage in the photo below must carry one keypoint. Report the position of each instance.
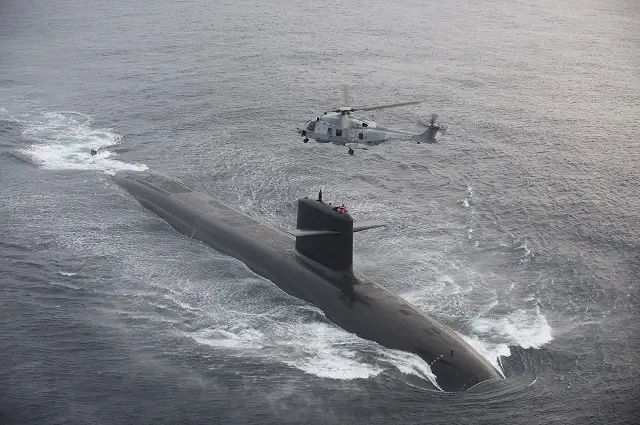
(364, 131)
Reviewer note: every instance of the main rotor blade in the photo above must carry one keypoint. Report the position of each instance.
(344, 122)
(345, 94)
(391, 105)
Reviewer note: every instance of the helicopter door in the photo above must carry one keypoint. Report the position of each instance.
(353, 135)
(321, 128)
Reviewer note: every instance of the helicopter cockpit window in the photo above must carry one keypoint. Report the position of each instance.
(311, 126)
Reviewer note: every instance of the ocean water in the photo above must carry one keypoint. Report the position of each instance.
(519, 229)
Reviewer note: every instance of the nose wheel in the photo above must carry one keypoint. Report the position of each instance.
(350, 151)
(305, 140)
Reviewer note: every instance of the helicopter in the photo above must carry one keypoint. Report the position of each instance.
(342, 127)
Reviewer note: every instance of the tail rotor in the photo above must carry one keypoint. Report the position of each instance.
(431, 129)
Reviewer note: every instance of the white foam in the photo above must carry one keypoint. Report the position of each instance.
(315, 348)
(465, 201)
(409, 364)
(527, 254)
(65, 285)
(489, 351)
(518, 328)
(63, 141)
(322, 357)
(68, 274)
(182, 304)
(492, 337)
(220, 338)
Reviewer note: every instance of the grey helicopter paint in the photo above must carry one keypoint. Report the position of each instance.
(314, 263)
(343, 127)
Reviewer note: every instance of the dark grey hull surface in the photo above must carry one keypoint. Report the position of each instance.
(356, 305)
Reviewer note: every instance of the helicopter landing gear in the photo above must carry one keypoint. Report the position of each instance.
(305, 140)
(350, 151)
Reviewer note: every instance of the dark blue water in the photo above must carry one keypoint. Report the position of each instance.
(519, 230)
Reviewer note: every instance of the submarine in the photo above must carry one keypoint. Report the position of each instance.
(314, 263)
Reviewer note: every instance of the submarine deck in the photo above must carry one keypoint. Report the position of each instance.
(206, 205)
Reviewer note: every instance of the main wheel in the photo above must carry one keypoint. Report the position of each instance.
(350, 151)
(305, 140)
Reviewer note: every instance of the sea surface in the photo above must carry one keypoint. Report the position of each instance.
(519, 229)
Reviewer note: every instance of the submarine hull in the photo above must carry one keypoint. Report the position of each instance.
(357, 305)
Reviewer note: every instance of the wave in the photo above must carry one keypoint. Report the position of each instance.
(315, 348)
(492, 337)
(63, 140)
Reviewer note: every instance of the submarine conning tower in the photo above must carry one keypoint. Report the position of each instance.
(324, 235)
